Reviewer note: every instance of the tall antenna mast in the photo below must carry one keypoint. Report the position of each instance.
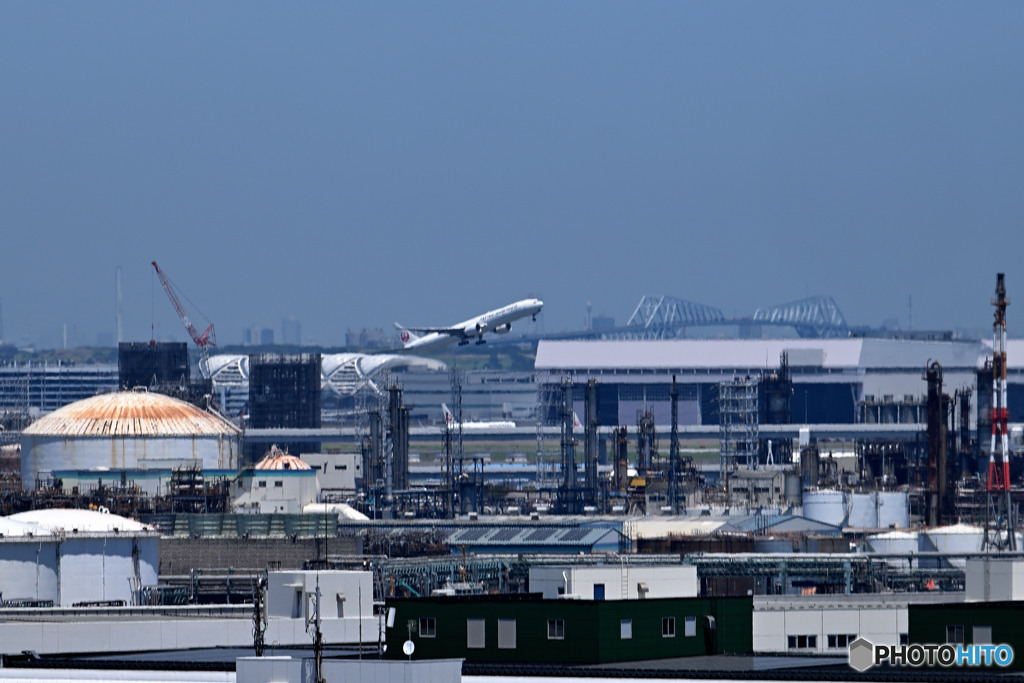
(999, 503)
(117, 287)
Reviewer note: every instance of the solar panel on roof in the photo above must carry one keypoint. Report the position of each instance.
(540, 534)
(505, 534)
(472, 534)
(575, 535)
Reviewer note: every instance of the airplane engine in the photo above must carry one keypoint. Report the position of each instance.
(503, 329)
(481, 328)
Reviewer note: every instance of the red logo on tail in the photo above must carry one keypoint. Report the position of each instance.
(405, 336)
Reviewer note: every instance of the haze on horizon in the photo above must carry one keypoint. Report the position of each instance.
(354, 164)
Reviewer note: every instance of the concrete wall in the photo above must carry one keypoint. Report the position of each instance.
(335, 471)
(994, 579)
(343, 620)
(267, 669)
(773, 624)
(69, 633)
(343, 594)
(275, 491)
(678, 581)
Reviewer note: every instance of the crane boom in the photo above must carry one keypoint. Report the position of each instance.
(204, 340)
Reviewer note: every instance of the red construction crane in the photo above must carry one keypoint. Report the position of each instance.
(205, 340)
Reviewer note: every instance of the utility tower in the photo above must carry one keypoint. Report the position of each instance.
(1000, 526)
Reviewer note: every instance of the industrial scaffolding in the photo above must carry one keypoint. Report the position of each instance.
(738, 423)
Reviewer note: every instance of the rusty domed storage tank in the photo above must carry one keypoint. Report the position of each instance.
(127, 430)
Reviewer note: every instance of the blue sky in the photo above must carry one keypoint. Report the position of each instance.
(352, 164)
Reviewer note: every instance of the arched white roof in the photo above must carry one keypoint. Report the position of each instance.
(10, 528)
(70, 520)
(346, 373)
(342, 373)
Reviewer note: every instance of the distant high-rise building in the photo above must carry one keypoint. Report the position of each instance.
(284, 391)
(602, 322)
(257, 336)
(291, 332)
(154, 365)
(366, 338)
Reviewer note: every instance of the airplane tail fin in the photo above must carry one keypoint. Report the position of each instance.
(406, 336)
(576, 424)
(448, 418)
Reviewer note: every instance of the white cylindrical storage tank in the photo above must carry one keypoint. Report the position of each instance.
(127, 430)
(895, 542)
(99, 557)
(893, 510)
(864, 511)
(825, 505)
(28, 562)
(956, 538)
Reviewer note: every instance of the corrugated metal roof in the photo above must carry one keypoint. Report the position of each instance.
(527, 536)
(130, 413)
(678, 526)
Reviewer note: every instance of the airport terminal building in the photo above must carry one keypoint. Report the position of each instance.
(834, 381)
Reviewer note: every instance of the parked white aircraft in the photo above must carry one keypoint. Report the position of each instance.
(449, 420)
(498, 321)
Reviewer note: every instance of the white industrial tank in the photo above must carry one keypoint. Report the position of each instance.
(894, 542)
(864, 511)
(28, 562)
(956, 538)
(826, 505)
(94, 557)
(893, 510)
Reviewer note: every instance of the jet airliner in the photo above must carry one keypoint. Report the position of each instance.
(450, 422)
(498, 321)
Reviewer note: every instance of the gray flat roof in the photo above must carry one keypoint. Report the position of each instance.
(762, 354)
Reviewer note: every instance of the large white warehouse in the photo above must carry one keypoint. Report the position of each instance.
(127, 430)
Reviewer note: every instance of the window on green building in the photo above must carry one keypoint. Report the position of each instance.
(626, 629)
(690, 627)
(476, 637)
(981, 635)
(506, 634)
(556, 629)
(955, 634)
(668, 627)
(428, 627)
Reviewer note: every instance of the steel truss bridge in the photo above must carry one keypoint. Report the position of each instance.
(665, 317)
